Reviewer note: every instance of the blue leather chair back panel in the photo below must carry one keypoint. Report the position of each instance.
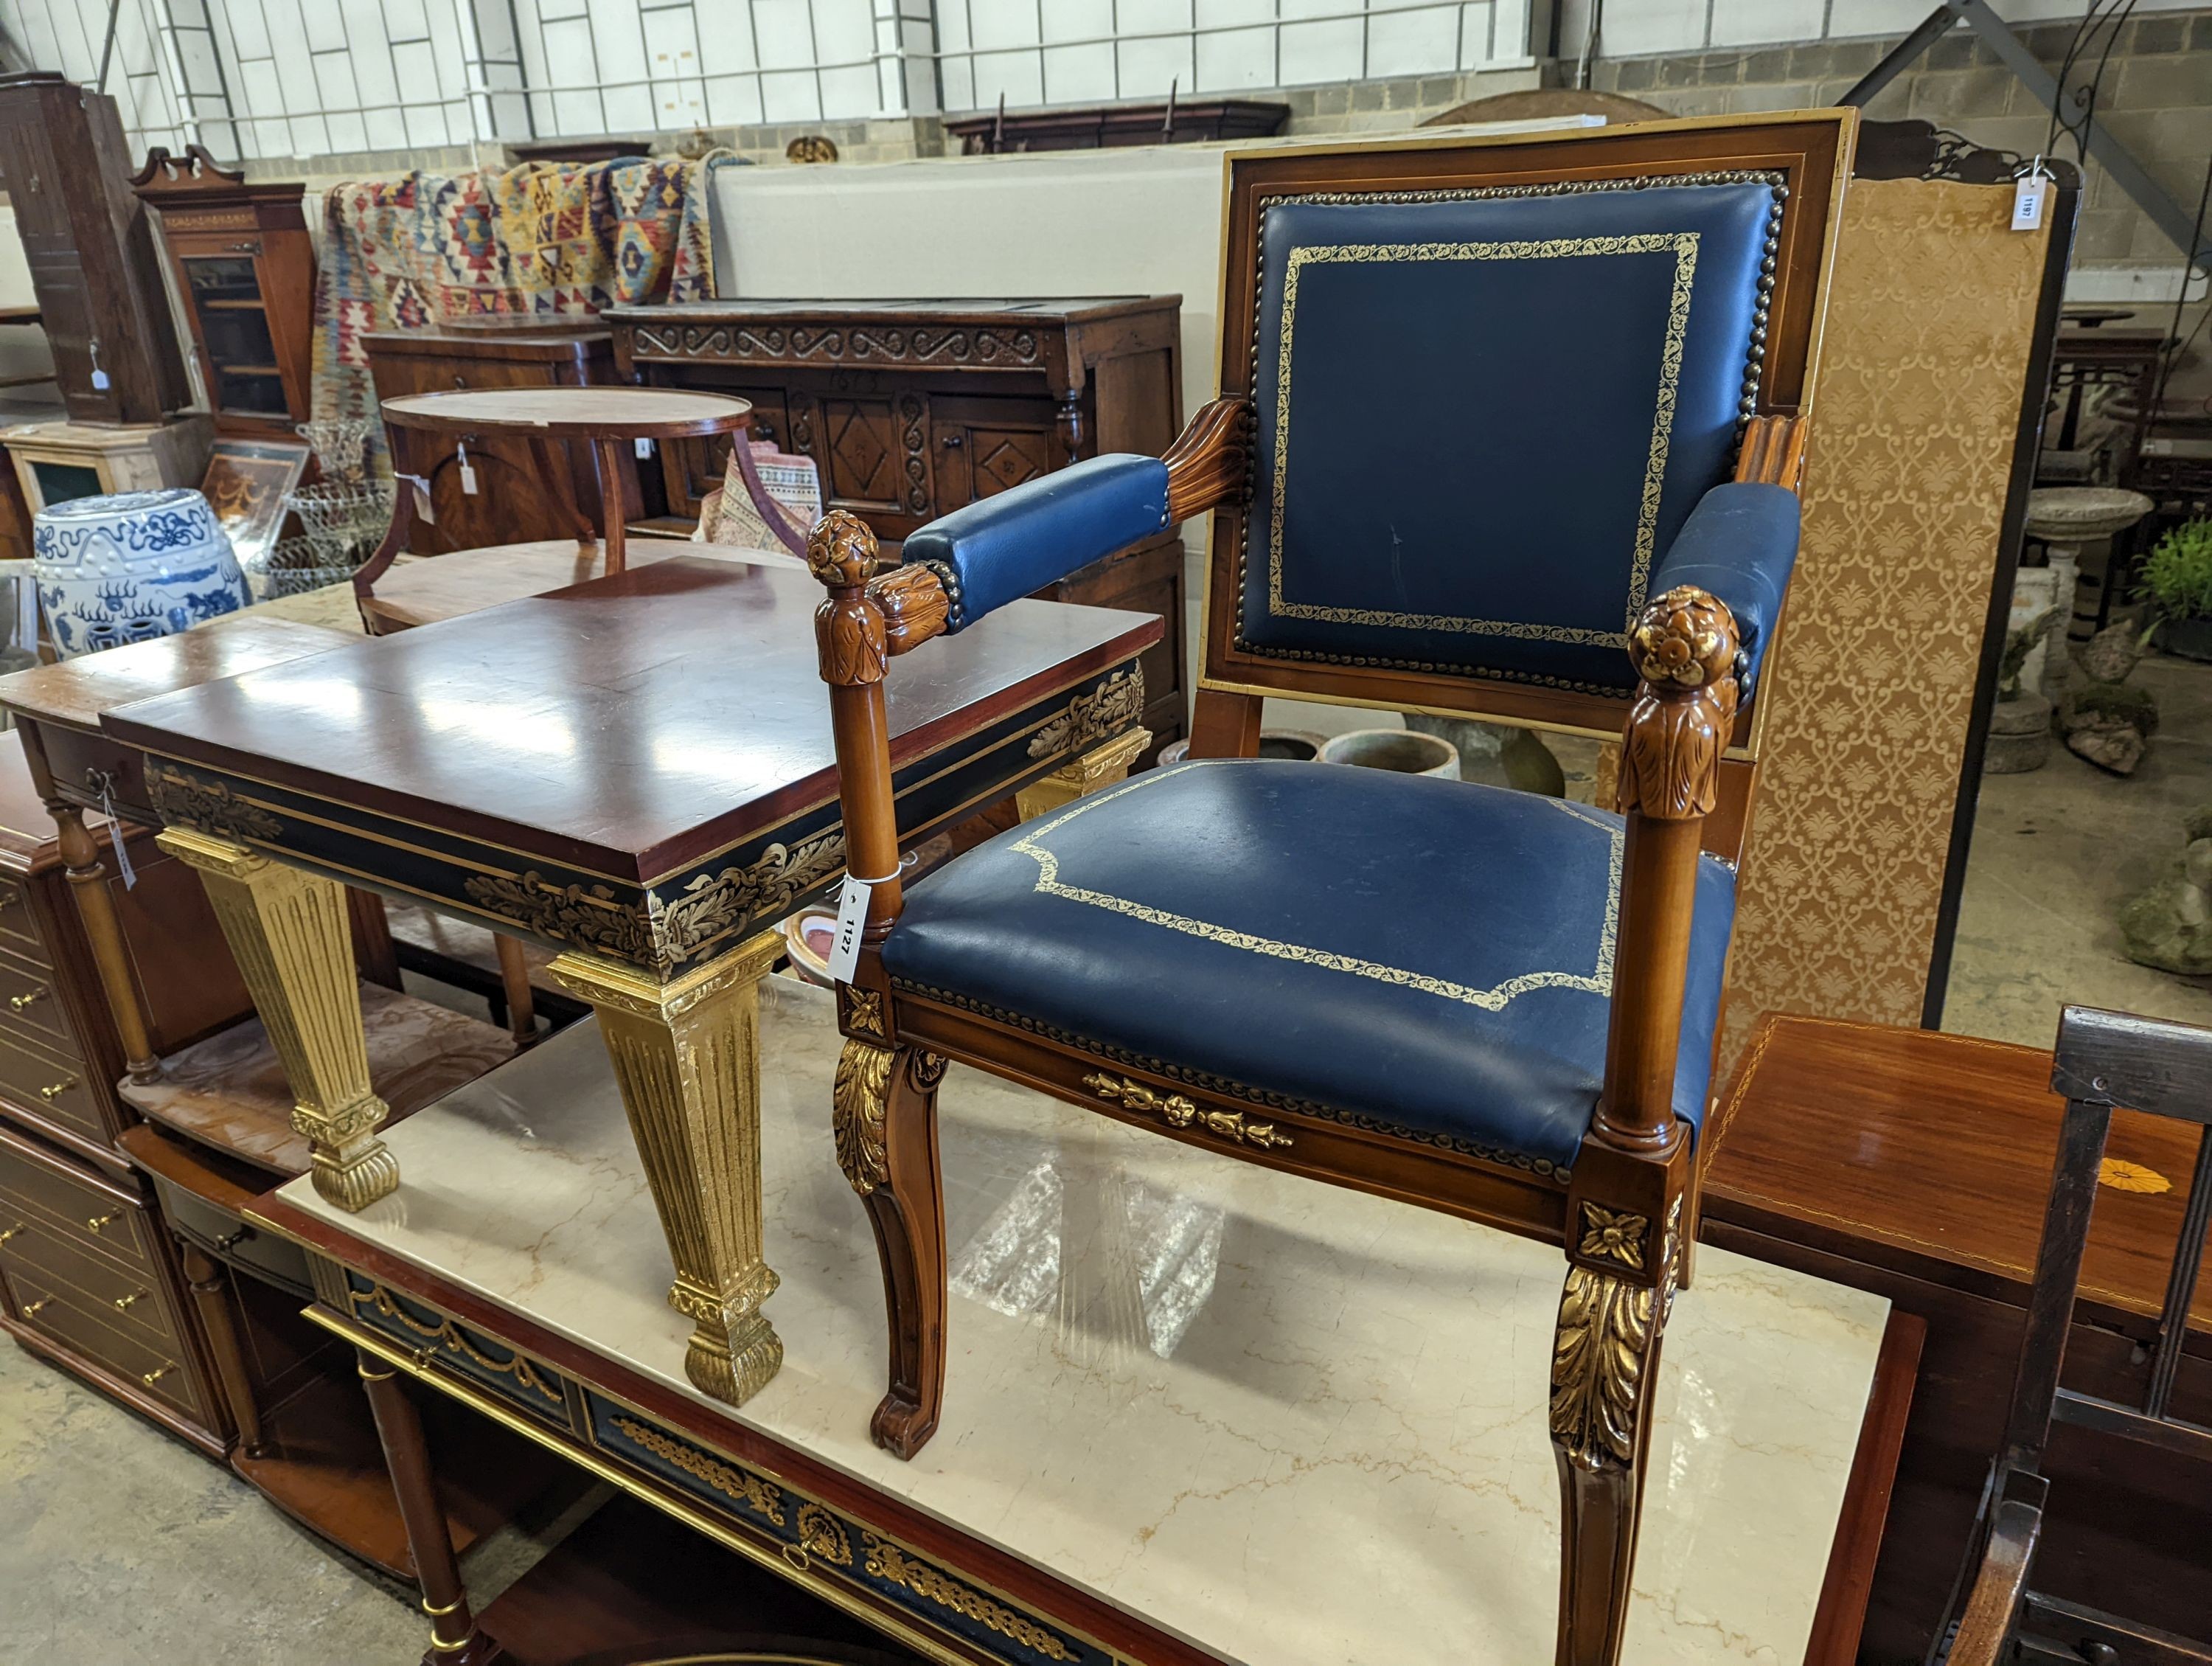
(1483, 417)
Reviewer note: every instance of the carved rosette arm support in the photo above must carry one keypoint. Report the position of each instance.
(1210, 463)
(885, 1118)
(686, 1056)
(1684, 647)
(865, 619)
(288, 930)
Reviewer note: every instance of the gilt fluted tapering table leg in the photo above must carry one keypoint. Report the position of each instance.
(686, 1056)
(1100, 767)
(288, 929)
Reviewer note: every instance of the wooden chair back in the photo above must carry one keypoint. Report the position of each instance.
(1511, 598)
(2103, 1061)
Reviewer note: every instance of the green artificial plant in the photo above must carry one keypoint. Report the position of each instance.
(2176, 578)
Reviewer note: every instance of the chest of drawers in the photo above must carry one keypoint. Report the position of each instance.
(90, 1273)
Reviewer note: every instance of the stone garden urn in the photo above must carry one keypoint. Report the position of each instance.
(2077, 524)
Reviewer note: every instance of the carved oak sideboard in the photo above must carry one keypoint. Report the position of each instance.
(912, 408)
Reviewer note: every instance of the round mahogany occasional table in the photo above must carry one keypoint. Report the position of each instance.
(609, 418)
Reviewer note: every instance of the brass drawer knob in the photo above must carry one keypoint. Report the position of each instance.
(31, 1308)
(9, 899)
(11, 1231)
(18, 1002)
(123, 1303)
(93, 1223)
(155, 1375)
(50, 1094)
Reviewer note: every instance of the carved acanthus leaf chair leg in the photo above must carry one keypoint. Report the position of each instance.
(885, 1120)
(1605, 1369)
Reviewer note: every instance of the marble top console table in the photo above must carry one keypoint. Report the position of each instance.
(636, 772)
(1205, 1411)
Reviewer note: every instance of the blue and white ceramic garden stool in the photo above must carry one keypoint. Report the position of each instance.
(130, 567)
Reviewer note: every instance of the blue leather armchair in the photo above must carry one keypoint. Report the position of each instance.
(1511, 429)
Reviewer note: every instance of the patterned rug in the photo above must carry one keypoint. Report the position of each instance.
(543, 240)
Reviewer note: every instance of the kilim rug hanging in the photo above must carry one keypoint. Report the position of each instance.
(544, 240)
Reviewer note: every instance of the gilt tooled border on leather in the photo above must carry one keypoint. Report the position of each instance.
(1777, 182)
(1496, 1156)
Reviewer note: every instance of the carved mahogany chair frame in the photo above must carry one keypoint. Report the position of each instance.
(1627, 1215)
(2103, 1061)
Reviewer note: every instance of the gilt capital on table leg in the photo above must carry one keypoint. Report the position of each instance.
(288, 930)
(1102, 766)
(686, 1056)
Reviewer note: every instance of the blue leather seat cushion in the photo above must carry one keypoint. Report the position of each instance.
(1482, 422)
(1426, 956)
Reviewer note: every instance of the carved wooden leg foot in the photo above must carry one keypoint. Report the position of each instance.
(1102, 766)
(1605, 1366)
(288, 930)
(886, 1129)
(686, 1056)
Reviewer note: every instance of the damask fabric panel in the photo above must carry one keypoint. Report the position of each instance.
(544, 240)
(1868, 693)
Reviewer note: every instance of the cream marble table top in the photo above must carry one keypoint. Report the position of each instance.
(1290, 1423)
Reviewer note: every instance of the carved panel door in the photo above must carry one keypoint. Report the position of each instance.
(872, 450)
(984, 447)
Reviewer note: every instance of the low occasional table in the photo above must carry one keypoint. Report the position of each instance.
(608, 417)
(1914, 1165)
(636, 772)
(1205, 1412)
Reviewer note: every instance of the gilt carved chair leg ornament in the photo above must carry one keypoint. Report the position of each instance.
(885, 1123)
(288, 930)
(686, 1057)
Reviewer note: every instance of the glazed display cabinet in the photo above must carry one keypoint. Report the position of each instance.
(245, 273)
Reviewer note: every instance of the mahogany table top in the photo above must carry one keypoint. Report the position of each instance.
(75, 692)
(632, 764)
(1935, 1152)
(578, 413)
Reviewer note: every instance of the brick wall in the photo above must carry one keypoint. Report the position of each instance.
(2156, 99)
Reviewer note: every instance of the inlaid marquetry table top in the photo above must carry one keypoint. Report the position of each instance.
(641, 766)
(1196, 1410)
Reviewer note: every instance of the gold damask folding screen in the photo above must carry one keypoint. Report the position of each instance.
(1930, 328)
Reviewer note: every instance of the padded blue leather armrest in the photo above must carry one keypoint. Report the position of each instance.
(1740, 543)
(1021, 540)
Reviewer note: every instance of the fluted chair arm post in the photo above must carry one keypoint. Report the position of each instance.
(1684, 647)
(867, 619)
